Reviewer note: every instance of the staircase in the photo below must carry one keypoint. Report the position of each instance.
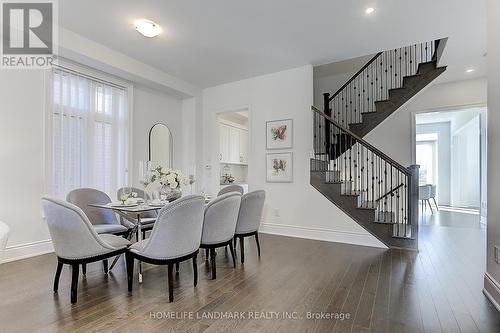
(377, 192)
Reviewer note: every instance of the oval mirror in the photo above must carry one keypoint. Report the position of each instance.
(161, 146)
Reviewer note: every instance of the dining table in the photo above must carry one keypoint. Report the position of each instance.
(132, 212)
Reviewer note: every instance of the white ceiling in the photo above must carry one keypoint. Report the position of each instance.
(211, 42)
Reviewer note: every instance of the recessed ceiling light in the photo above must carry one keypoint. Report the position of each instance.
(369, 10)
(469, 70)
(147, 28)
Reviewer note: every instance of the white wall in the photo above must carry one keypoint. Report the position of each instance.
(492, 276)
(22, 100)
(295, 209)
(394, 136)
(152, 107)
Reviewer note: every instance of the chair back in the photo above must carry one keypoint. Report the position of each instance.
(221, 215)
(82, 197)
(140, 194)
(177, 231)
(433, 191)
(4, 235)
(424, 192)
(250, 214)
(231, 188)
(72, 233)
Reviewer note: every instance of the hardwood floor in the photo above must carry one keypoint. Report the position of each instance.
(437, 289)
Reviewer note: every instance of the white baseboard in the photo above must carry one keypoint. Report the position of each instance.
(328, 235)
(23, 251)
(492, 290)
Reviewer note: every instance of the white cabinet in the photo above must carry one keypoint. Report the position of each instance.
(233, 144)
(223, 143)
(243, 146)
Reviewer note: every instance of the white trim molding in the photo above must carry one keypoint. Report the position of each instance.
(492, 290)
(23, 251)
(328, 235)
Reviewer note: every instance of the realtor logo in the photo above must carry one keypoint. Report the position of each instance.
(28, 31)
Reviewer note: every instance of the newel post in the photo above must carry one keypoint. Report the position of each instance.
(328, 112)
(413, 202)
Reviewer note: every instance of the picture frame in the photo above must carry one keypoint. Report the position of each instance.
(279, 167)
(279, 134)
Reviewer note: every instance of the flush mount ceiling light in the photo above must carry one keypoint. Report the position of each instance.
(369, 10)
(469, 70)
(147, 28)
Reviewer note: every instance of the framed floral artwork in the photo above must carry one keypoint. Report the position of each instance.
(279, 134)
(279, 167)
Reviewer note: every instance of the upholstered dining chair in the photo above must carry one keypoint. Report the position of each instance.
(231, 188)
(147, 218)
(175, 238)
(251, 207)
(424, 194)
(76, 241)
(219, 225)
(103, 220)
(4, 235)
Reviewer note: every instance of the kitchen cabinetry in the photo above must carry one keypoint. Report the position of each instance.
(233, 144)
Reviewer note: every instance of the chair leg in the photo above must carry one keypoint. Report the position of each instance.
(105, 266)
(231, 249)
(129, 260)
(435, 203)
(75, 268)
(170, 282)
(242, 250)
(212, 263)
(257, 241)
(58, 275)
(429, 203)
(206, 254)
(176, 268)
(84, 269)
(195, 270)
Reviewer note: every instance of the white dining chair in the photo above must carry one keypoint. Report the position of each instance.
(424, 194)
(249, 217)
(4, 235)
(219, 225)
(76, 241)
(231, 188)
(103, 220)
(175, 238)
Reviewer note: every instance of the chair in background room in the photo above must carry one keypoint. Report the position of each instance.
(147, 218)
(231, 188)
(4, 235)
(219, 225)
(433, 196)
(175, 238)
(424, 194)
(249, 218)
(76, 241)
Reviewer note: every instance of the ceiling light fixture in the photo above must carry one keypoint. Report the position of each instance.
(369, 10)
(147, 28)
(470, 70)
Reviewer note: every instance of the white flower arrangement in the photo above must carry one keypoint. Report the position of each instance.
(170, 177)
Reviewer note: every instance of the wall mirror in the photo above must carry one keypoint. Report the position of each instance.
(161, 146)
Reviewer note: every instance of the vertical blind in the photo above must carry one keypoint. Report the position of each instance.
(89, 134)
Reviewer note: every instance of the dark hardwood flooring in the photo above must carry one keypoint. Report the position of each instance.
(438, 289)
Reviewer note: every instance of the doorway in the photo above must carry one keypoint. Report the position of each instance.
(450, 147)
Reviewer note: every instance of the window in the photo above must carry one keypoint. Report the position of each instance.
(88, 134)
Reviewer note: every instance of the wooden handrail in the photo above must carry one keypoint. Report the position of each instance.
(390, 192)
(363, 142)
(356, 75)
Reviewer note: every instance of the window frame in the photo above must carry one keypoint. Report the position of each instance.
(92, 74)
